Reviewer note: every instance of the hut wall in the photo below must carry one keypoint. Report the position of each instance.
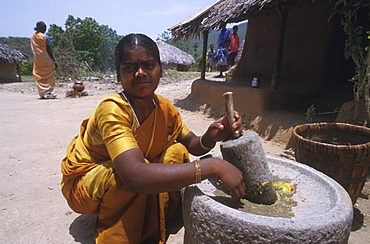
(310, 51)
(246, 99)
(178, 67)
(251, 102)
(169, 66)
(8, 72)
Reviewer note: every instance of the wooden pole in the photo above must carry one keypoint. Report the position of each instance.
(19, 73)
(229, 103)
(204, 55)
(279, 49)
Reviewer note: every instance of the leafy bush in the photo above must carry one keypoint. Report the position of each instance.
(26, 68)
(195, 67)
(172, 73)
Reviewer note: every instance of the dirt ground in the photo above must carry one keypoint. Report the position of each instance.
(34, 136)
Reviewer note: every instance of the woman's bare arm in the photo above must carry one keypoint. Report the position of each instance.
(141, 177)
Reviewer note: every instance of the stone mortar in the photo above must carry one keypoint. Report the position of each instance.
(247, 154)
(323, 213)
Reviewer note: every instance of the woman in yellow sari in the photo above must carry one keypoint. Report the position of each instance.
(131, 156)
(43, 61)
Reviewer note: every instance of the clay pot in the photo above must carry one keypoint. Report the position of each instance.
(78, 86)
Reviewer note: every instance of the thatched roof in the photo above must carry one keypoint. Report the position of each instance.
(11, 56)
(172, 55)
(229, 11)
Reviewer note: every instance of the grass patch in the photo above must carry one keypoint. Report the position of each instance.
(171, 76)
(28, 78)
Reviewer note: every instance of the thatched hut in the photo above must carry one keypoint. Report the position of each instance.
(290, 45)
(173, 57)
(9, 60)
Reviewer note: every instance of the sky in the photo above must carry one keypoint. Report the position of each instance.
(150, 17)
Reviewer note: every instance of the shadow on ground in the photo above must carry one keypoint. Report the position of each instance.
(82, 229)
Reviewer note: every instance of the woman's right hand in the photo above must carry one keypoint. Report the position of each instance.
(221, 130)
(228, 175)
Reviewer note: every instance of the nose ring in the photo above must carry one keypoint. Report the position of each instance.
(137, 74)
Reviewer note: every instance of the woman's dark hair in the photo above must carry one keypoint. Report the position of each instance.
(40, 26)
(133, 41)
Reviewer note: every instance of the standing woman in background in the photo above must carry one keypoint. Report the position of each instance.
(43, 61)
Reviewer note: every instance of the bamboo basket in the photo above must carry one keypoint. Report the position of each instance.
(347, 164)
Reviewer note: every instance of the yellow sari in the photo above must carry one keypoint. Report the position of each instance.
(91, 185)
(43, 70)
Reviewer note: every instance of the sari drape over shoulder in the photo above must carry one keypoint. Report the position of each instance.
(91, 185)
(43, 70)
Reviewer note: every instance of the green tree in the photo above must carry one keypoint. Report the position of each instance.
(109, 43)
(83, 44)
(26, 68)
(197, 65)
(56, 34)
(64, 52)
(195, 48)
(182, 44)
(357, 45)
(93, 43)
(165, 37)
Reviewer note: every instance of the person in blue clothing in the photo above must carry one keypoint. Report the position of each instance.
(220, 57)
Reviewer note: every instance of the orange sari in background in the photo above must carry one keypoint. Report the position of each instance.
(91, 185)
(43, 69)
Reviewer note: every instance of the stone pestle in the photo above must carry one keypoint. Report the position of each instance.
(247, 154)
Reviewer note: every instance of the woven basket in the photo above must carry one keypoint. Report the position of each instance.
(347, 164)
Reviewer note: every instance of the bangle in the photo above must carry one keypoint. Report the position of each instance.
(198, 172)
(202, 146)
